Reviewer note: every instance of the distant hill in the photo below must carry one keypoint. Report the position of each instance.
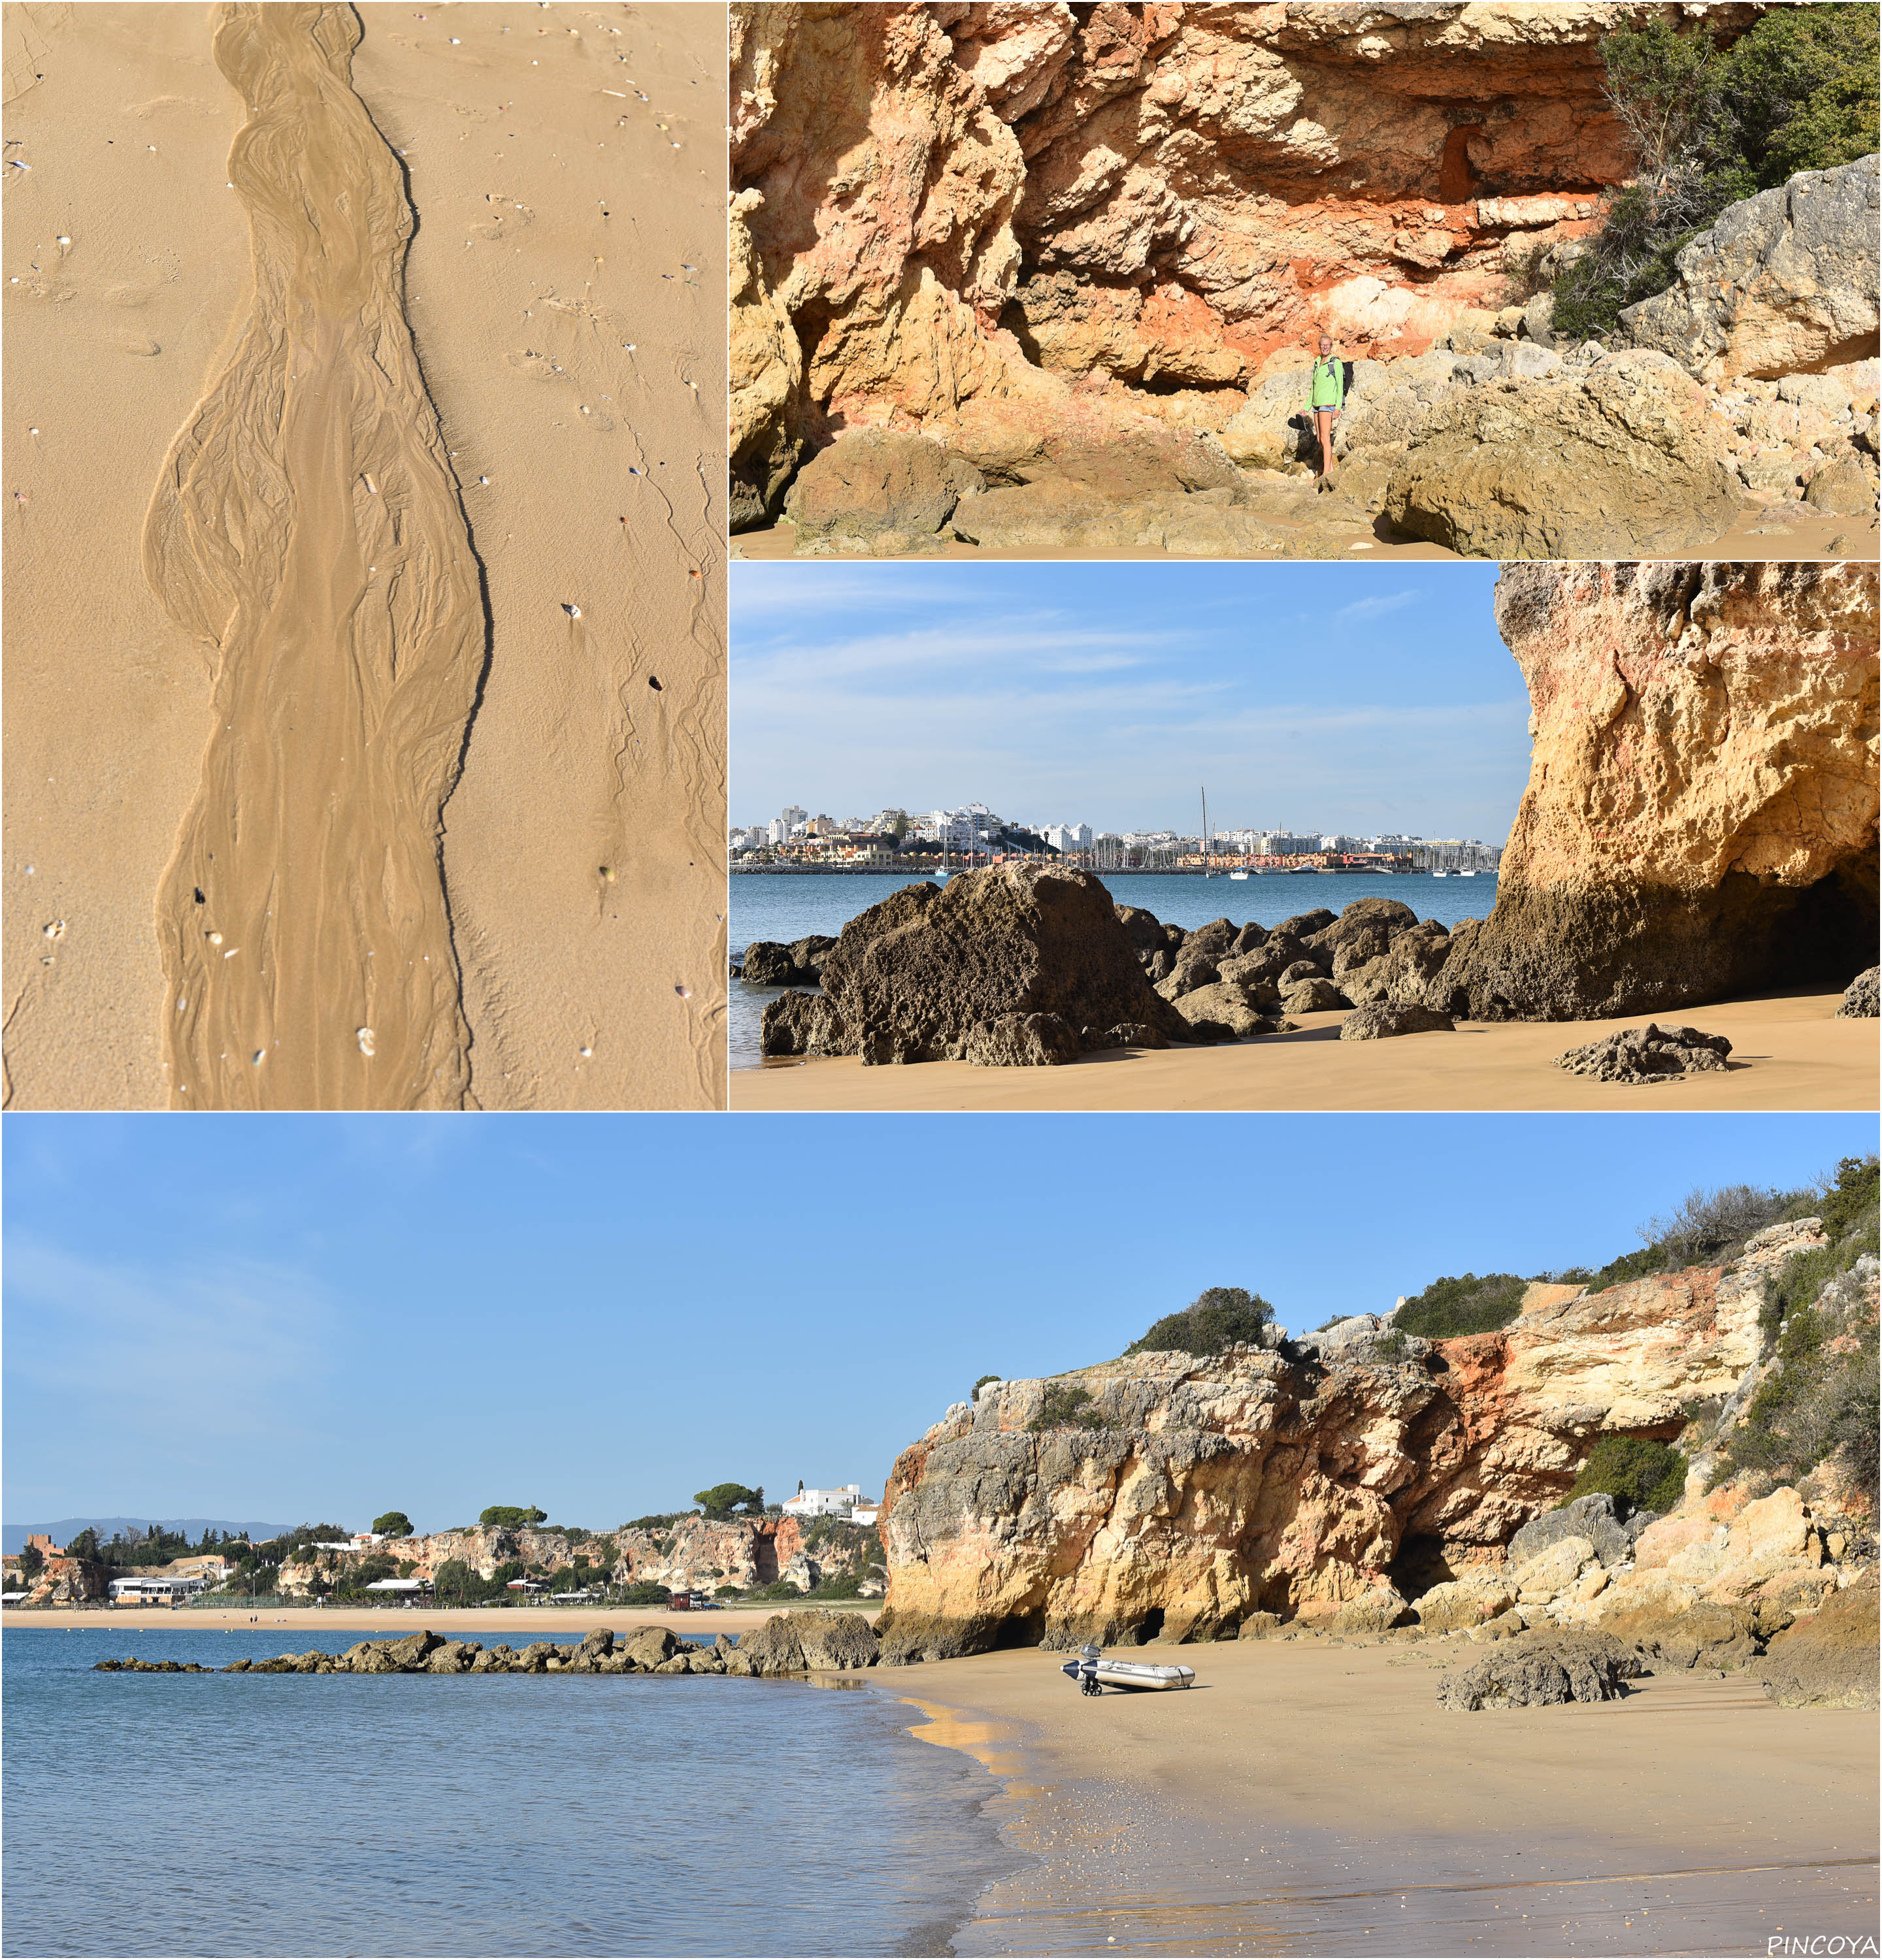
(62, 1530)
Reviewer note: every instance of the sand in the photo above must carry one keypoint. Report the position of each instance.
(363, 611)
(1313, 1798)
(1789, 532)
(1788, 1053)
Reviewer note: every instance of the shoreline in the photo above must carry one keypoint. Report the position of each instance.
(1789, 1052)
(1316, 1800)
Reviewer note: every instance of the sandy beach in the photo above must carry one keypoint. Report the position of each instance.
(1313, 1797)
(1788, 1053)
(365, 711)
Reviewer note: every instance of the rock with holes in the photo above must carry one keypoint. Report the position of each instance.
(1380, 1021)
(1021, 1041)
(1542, 1671)
(1862, 998)
(1652, 1054)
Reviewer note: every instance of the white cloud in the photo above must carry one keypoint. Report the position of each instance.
(1373, 608)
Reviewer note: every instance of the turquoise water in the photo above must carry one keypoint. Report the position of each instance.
(786, 908)
(476, 1815)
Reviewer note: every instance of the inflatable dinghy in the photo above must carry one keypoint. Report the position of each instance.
(1094, 1672)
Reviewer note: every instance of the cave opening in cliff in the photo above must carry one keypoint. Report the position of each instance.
(1422, 1560)
(1150, 1626)
(1021, 1629)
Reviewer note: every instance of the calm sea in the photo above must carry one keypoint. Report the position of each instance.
(480, 1814)
(788, 907)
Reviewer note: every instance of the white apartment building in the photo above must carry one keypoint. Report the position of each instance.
(838, 1504)
(793, 819)
(1068, 836)
(1344, 843)
(779, 832)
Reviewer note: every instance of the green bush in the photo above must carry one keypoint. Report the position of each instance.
(1648, 1476)
(1065, 1407)
(1448, 1308)
(659, 1521)
(1709, 125)
(982, 1384)
(1218, 1318)
(646, 1592)
(513, 1516)
(392, 1524)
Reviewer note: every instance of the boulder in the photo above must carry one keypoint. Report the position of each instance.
(1457, 1604)
(1259, 1626)
(836, 1640)
(1622, 459)
(798, 1024)
(1842, 488)
(1551, 1572)
(1398, 976)
(650, 1647)
(1021, 1041)
(765, 963)
(911, 978)
(1302, 926)
(1228, 1003)
(412, 1651)
(1311, 996)
(1829, 1660)
(1702, 1634)
(1542, 1671)
(1381, 1021)
(1372, 1612)
(1861, 1001)
(1597, 1519)
(451, 1657)
(1143, 929)
(1784, 283)
(1376, 922)
(1652, 1054)
(871, 482)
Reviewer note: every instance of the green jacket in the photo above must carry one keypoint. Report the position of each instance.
(1326, 388)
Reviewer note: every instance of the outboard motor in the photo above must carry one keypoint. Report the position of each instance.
(1083, 1667)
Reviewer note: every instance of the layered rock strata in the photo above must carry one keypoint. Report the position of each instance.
(1035, 208)
(1347, 1473)
(1701, 816)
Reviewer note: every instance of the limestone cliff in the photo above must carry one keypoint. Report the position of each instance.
(1187, 1493)
(1097, 212)
(1701, 817)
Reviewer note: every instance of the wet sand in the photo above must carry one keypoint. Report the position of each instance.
(363, 564)
(1314, 1798)
(1788, 1053)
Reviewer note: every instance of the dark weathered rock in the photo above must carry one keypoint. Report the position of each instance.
(1829, 1660)
(1228, 1003)
(1707, 1634)
(1542, 1671)
(765, 963)
(1862, 999)
(1303, 925)
(1401, 974)
(648, 1646)
(1021, 1041)
(1380, 919)
(1379, 1022)
(1143, 929)
(1652, 1054)
(801, 1024)
(1597, 1518)
(799, 1643)
(412, 1650)
(1259, 1626)
(909, 978)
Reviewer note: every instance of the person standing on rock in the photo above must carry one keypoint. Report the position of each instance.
(1326, 396)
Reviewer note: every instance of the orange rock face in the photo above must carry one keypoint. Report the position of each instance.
(1203, 1490)
(1148, 203)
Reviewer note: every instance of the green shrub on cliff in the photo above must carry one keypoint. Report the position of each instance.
(1820, 1403)
(1648, 1476)
(1709, 125)
(723, 1500)
(1217, 1318)
(392, 1524)
(1065, 1407)
(1449, 1308)
(512, 1517)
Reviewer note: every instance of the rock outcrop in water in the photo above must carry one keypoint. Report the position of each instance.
(1350, 1472)
(1701, 817)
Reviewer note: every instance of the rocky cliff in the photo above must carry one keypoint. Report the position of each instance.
(1701, 817)
(1186, 1495)
(1035, 216)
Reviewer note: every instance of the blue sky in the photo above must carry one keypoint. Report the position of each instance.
(319, 1319)
(1357, 698)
